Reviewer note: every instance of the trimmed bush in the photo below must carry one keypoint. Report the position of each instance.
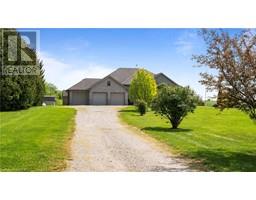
(174, 103)
(142, 107)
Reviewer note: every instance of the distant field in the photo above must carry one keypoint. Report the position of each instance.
(35, 139)
(210, 103)
(221, 141)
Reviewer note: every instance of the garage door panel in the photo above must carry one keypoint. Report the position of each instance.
(78, 98)
(99, 98)
(117, 98)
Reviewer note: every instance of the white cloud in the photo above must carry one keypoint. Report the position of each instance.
(186, 43)
(76, 45)
(64, 75)
(184, 47)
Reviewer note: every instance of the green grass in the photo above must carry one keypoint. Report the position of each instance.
(36, 139)
(210, 103)
(59, 102)
(220, 141)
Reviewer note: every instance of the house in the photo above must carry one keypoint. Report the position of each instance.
(111, 90)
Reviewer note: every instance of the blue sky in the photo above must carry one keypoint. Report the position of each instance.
(70, 55)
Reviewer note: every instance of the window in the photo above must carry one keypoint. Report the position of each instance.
(108, 83)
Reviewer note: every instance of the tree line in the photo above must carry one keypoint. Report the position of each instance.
(19, 91)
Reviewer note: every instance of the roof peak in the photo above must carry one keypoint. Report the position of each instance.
(91, 79)
(128, 68)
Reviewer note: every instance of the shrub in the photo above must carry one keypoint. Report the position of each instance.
(174, 103)
(215, 105)
(142, 107)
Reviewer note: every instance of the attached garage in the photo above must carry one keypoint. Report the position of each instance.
(99, 98)
(78, 97)
(117, 98)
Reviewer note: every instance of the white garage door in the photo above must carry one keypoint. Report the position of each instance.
(117, 98)
(99, 98)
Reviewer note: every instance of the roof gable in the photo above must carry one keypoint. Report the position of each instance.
(108, 77)
(124, 75)
(162, 75)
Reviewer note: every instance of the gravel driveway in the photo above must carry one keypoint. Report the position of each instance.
(102, 143)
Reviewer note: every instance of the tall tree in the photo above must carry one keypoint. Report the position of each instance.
(40, 85)
(19, 91)
(234, 60)
(51, 89)
(143, 87)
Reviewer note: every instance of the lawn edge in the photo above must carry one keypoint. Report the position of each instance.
(161, 145)
(67, 146)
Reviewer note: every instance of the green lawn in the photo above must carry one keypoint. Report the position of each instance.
(220, 141)
(36, 139)
(210, 103)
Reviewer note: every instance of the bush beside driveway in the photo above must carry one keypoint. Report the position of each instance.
(220, 141)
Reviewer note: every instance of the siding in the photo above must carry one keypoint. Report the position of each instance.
(103, 87)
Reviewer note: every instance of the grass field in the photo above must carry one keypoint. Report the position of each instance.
(35, 139)
(220, 141)
(210, 103)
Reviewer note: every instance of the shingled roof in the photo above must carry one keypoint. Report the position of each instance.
(84, 84)
(162, 74)
(124, 75)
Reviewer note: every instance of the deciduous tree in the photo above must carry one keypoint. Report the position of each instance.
(143, 87)
(234, 60)
(174, 103)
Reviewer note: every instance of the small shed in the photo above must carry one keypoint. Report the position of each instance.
(49, 100)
